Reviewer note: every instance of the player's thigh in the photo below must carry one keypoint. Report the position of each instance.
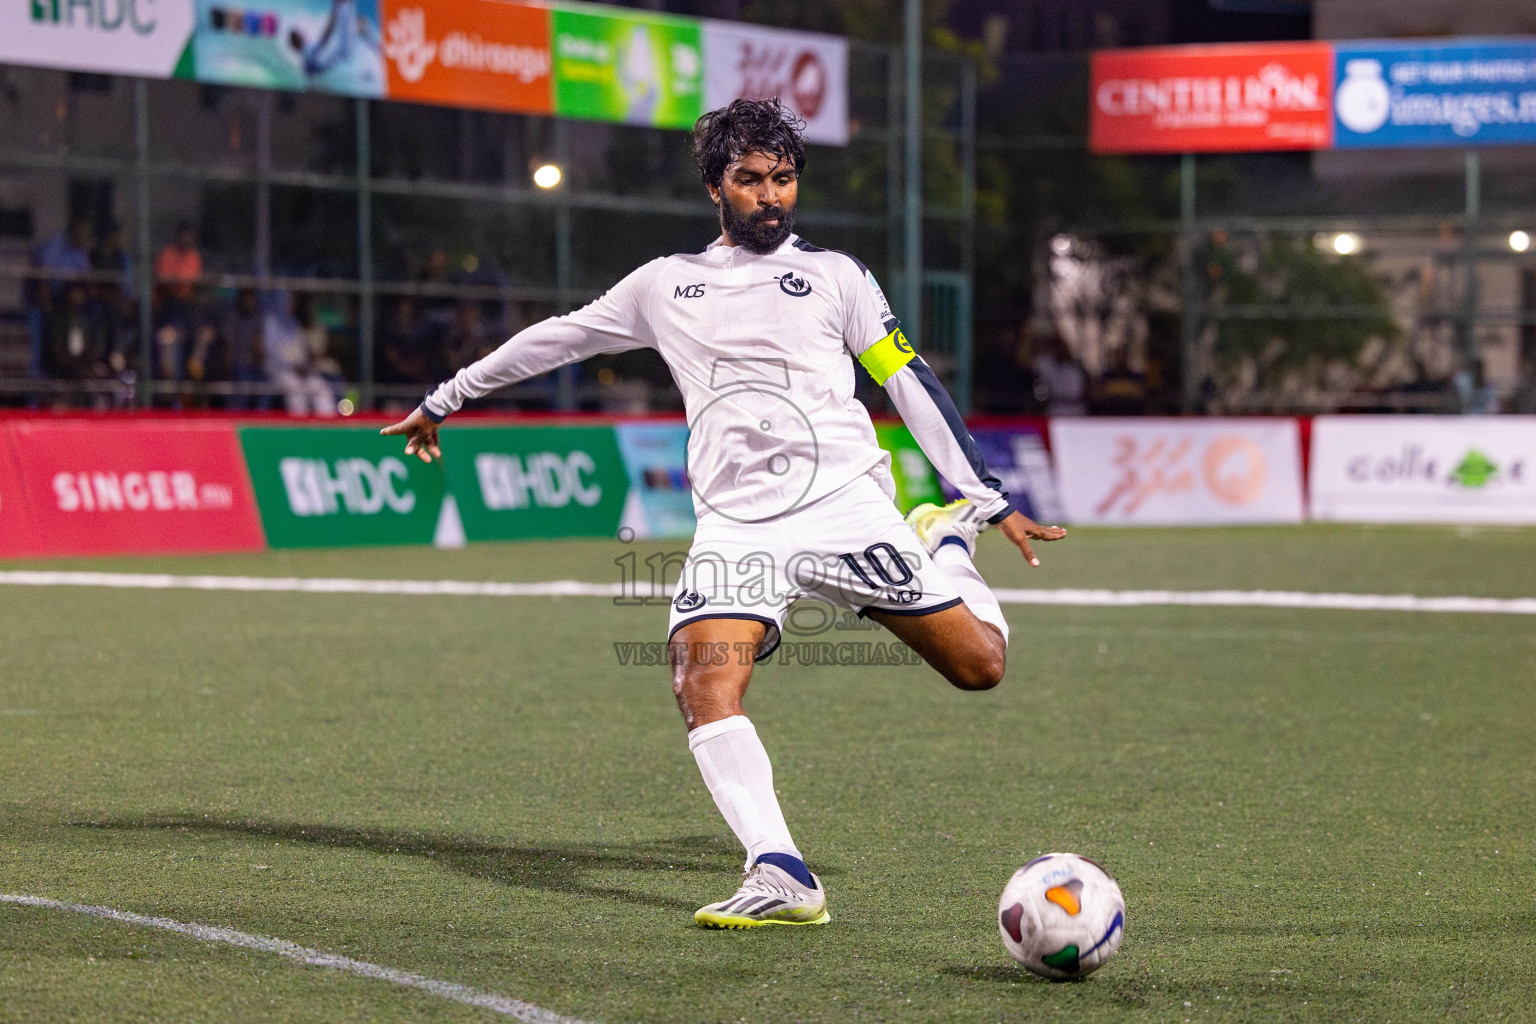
(963, 649)
(712, 661)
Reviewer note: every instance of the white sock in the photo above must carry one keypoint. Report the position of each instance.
(955, 560)
(736, 770)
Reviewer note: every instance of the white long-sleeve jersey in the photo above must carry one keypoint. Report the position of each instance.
(758, 346)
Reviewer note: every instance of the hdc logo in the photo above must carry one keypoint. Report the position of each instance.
(102, 14)
(359, 486)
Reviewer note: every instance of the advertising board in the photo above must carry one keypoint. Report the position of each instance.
(512, 483)
(340, 486)
(474, 53)
(1172, 472)
(325, 45)
(18, 537)
(149, 38)
(660, 501)
(916, 479)
(1467, 93)
(1424, 469)
(132, 488)
(1183, 99)
(808, 72)
(611, 64)
(1017, 456)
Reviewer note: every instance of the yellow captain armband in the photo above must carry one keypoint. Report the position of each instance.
(886, 356)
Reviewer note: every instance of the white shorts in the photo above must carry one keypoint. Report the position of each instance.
(851, 549)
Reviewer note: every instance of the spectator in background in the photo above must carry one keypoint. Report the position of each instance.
(288, 361)
(240, 339)
(409, 352)
(63, 256)
(318, 341)
(468, 338)
(74, 346)
(177, 270)
(66, 253)
(113, 293)
(1121, 391)
(1060, 380)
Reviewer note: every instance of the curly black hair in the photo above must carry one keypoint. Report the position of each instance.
(746, 126)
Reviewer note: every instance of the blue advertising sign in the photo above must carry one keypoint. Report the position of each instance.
(1479, 92)
(1017, 457)
(660, 502)
(321, 45)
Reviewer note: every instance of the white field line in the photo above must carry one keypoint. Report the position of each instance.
(574, 588)
(457, 993)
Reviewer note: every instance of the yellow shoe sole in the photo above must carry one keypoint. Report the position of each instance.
(706, 919)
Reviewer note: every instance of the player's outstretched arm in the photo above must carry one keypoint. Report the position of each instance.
(420, 436)
(615, 322)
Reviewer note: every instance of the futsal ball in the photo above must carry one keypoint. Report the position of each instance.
(1061, 916)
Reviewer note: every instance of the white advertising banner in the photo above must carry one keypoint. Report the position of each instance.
(1176, 472)
(1424, 469)
(806, 71)
(121, 37)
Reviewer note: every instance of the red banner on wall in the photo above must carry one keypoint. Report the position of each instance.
(1264, 96)
(127, 488)
(17, 537)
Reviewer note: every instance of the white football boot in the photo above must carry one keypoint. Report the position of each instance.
(768, 896)
(935, 524)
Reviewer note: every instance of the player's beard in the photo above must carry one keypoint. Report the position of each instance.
(751, 233)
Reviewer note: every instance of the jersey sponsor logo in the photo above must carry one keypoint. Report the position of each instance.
(689, 601)
(688, 291)
(885, 304)
(794, 284)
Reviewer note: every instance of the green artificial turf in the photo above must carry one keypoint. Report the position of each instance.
(1314, 815)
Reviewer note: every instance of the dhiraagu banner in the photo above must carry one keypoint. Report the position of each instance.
(334, 486)
(512, 483)
(618, 65)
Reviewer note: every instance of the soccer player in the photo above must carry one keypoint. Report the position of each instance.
(793, 495)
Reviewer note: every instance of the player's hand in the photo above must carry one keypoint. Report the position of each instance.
(1021, 529)
(420, 436)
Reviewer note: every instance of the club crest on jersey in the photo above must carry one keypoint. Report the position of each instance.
(689, 601)
(794, 284)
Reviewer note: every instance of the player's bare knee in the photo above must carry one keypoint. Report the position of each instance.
(981, 670)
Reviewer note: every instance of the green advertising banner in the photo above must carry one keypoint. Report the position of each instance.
(517, 482)
(616, 65)
(916, 481)
(333, 486)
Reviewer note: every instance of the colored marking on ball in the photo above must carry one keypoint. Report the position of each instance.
(1116, 925)
(1062, 960)
(1011, 922)
(1066, 896)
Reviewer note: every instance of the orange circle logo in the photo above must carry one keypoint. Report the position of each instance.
(1234, 470)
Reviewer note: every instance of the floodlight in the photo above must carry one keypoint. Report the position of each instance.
(1346, 243)
(547, 176)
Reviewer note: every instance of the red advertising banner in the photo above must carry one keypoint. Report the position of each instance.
(17, 537)
(469, 53)
(1202, 99)
(132, 488)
